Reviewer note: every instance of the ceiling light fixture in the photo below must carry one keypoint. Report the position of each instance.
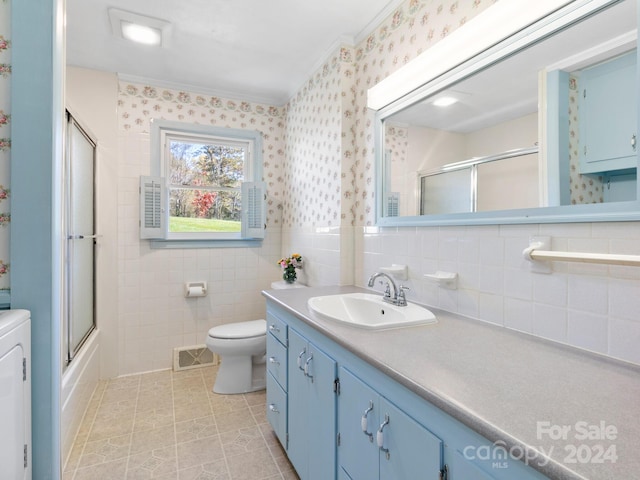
(141, 33)
(139, 28)
(445, 101)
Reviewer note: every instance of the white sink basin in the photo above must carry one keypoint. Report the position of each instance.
(366, 310)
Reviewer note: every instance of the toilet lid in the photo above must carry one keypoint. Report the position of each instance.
(253, 328)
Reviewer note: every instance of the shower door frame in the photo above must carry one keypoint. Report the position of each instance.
(69, 351)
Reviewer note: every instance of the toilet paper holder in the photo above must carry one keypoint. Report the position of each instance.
(195, 289)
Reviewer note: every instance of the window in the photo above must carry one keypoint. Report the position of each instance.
(204, 185)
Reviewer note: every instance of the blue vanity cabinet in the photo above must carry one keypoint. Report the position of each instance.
(380, 441)
(311, 409)
(277, 376)
(319, 403)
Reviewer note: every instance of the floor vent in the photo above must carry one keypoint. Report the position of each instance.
(195, 356)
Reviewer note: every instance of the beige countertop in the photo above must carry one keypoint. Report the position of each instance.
(508, 386)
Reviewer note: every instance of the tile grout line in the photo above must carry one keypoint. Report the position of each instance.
(135, 413)
(95, 414)
(213, 414)
(175, 432)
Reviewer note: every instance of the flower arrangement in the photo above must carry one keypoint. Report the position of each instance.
(289, 266)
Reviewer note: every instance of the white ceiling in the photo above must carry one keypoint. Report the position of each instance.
(260, 50)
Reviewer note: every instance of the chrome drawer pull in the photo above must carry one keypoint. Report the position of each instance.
(273, 408)
(274, 361)
(304, 350)
(306, 367)
(274, 328)
(380, 436)
(364, 422)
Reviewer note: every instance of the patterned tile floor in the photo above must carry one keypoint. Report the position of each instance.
(171, 426)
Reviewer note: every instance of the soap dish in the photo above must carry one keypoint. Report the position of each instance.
(399, 272)
(444, 279)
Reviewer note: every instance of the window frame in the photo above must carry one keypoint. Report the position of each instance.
(163, 130)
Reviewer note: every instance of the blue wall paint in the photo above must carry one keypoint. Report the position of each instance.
(37, 99)
(558, 138)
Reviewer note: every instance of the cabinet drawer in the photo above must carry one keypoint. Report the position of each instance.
(277, 361)
(277, 328)
(277, 409)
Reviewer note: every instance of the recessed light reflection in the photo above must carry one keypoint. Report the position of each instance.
(141, 33)
(444, 101)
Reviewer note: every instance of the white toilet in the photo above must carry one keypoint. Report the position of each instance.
(242, 347)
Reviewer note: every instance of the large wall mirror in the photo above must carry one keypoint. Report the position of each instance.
(539, 128)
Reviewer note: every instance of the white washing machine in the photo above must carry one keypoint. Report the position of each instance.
(15, 394)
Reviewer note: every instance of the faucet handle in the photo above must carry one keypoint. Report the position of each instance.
(402, 299)
(387, 291)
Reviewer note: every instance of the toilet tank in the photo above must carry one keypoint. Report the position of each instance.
(15, 394)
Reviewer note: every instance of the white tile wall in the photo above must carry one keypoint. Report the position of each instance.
(327, 253)
(595, 307)
(154, 314)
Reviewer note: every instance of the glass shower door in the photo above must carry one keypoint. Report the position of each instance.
(80, 314)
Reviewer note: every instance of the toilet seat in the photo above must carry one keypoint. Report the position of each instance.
(250, 329)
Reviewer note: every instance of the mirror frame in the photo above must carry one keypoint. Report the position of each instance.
(463, 65)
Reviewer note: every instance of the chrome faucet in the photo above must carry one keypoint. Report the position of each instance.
(398, 298)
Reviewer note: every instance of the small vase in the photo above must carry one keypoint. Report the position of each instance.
(289, 275)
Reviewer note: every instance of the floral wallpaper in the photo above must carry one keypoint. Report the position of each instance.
(413, 28)
(138, 104)
(349, 145)
(584, 188)
(5, 139)
(396, 148)
(316, 142)
(329, 173)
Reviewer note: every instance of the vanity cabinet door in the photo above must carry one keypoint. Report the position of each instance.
(408, 449)
(312, 409)
(380, 441)
(358, 409)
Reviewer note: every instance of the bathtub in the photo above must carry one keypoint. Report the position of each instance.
(79, 381)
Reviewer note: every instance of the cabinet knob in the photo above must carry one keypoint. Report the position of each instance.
(273, 328)
(274, 360)
(273, 408)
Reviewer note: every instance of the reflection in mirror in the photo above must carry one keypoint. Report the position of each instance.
(482, 144)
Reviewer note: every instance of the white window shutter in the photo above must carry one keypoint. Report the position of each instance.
(152, 207)
(393, 204)
(254, 209)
